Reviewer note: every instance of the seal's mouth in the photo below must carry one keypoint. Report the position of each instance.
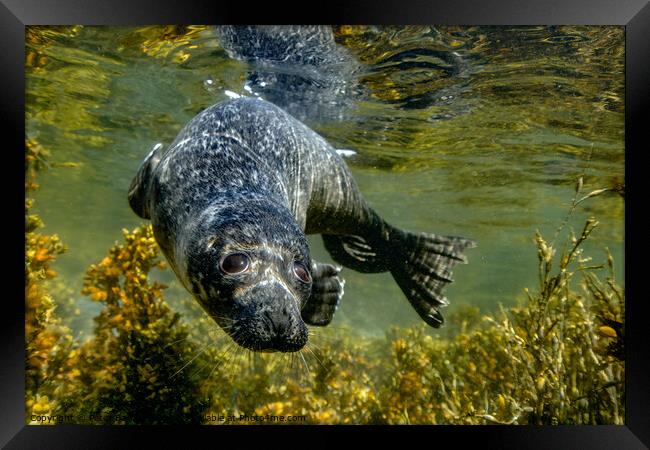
(261, 333)
(265, 333)
(264, 317)
(284, 344)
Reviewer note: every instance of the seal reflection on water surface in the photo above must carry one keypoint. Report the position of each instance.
(231, 201)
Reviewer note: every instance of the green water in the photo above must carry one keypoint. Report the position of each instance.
(493, 153)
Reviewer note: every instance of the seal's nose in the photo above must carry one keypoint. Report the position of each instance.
(278, 321)
(272, 320)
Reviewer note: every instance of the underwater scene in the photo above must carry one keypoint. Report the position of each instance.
(512, 137)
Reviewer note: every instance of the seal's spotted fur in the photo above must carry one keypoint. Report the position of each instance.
(243, 175)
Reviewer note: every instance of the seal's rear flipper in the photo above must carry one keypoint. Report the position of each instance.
(326, 293)
(356, 253)
(422, 265)
(139, 189)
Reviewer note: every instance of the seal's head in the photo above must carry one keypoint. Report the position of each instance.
(249, 267)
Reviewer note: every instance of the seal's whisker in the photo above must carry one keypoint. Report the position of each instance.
(314, 355)
(226, 329)
(232, 350)
(321, 346)
(225, 362)
(239, 356)
(305, 362)
(222, 323)
(219, 360)
(206, 364)
(205, 347)
(216, 328)
(215, 341)
(217, 333)
(222, 318)
(177, 341)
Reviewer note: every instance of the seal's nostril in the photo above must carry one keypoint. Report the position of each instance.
(277, 321)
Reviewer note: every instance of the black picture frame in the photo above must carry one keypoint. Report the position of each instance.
(633, 14)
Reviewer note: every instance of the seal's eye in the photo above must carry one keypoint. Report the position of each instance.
(301, 272)
(234, 263)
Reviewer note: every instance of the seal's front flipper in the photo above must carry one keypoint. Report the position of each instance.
(326, 293)
(421, 265)
(139, 189)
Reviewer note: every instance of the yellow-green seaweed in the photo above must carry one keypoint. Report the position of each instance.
(48, 343)
(130, 368)
(555, 359)
(550, 361)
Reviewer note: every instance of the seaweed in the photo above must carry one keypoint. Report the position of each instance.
(129, 368)
(48, 343)
(557, 358)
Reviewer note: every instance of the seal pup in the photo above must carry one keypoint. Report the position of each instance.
(231, 201)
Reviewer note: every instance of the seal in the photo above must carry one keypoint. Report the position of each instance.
(231, 201)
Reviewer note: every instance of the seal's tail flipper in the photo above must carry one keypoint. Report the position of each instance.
(421, 265)
(139, 189)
